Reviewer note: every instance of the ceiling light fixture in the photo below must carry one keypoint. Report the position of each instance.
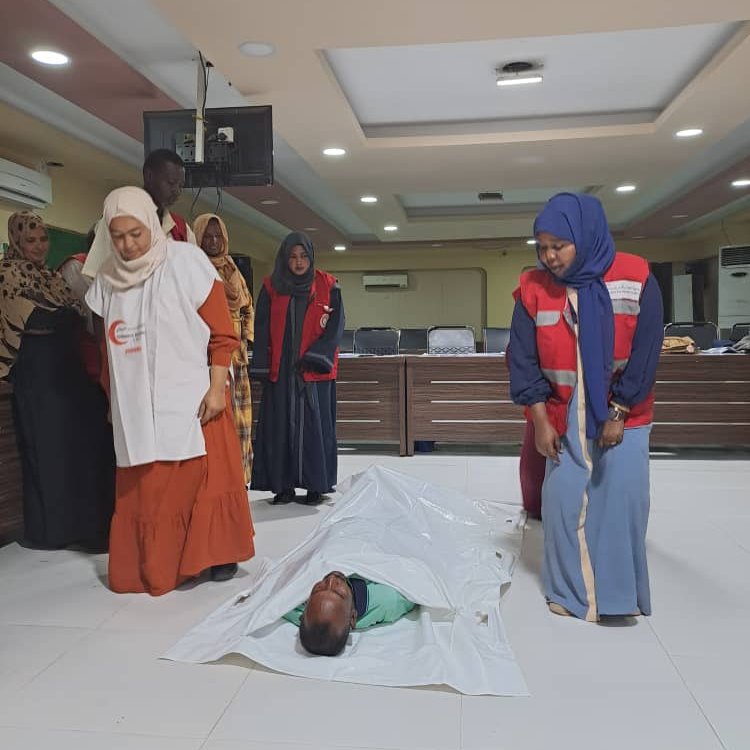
(531, 242)
(437, 244)
(390, 228)
(743, 182)
(310, 229)
(518, 74)
(369, 199)
(625, 188)
(257, 49)
(339, 248)
(50, 57)
(680, 216)
(269, 202)
(689, 132)
(639, 236)
(334, 151)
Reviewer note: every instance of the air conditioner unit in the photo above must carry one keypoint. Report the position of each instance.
(24, 187)
(734, 285)
(386, 280)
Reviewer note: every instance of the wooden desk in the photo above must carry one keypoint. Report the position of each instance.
(11, 493)
(702, 400)
(462, 399)
(370, 401)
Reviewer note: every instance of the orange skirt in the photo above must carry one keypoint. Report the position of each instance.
(174, 519)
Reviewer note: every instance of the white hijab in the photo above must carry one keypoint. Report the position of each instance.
(137, 203)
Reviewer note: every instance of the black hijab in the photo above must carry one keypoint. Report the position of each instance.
(282, 279)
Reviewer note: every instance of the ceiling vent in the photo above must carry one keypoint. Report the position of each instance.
(490, 196)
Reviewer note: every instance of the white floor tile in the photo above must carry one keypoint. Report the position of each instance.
(26, 650)
(642, 719)
(114, 681)
(277, 708)
(12, 738)
(721, 688)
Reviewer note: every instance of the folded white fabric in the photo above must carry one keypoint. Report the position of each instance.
(450, 554)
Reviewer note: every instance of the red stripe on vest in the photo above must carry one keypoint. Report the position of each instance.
(179, 230)
(316, 318)
(546, 301)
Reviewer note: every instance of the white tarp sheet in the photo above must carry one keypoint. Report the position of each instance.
(450, 554)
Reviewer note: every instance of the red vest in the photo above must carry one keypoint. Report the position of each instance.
(547, 304)
(316, 319)
(179, 230)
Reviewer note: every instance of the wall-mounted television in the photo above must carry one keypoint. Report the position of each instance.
(238, 144)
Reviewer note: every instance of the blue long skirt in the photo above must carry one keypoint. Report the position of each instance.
(595, 521)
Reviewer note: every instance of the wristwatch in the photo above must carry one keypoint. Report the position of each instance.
(616, 414)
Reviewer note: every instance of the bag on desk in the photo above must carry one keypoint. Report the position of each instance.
(677, 344)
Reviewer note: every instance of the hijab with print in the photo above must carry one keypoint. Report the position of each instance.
(137, 203)
(235, 287)
(581, 220)
(282, 279)
(25, 286)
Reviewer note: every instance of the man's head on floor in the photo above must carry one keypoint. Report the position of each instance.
(329, 616)
(163, 177)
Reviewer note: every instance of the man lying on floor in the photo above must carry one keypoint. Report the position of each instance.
(338, 604)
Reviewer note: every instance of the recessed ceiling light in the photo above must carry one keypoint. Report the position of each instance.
(310, 229)
(518, 74)
(531, 242)
(339, 248)
(680, 216)
(744, 182)
(334, 151)
(689, 132)
(369, 199)
(625, 188)
(437, 244)
(50, 57)
(639, 237)
(390, 228)
(268, 202)
(257, 49)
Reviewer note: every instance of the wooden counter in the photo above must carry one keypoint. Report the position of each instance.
(701, 400)
(11, 498)
(370, 401)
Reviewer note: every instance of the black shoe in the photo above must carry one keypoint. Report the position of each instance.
(223, 572)
(312, 498)
(283, 498)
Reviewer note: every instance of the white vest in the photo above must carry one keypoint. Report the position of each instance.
(157, 346)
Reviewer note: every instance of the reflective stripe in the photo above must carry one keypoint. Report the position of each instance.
(560, 377)
(547, 317)
(619, 364)
(625, 306)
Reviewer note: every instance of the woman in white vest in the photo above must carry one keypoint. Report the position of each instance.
(181, 505)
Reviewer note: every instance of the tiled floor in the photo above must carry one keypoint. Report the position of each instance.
(79, 666)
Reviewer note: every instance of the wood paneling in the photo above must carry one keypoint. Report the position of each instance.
(11, 498)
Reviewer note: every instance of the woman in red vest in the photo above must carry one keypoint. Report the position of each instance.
(586, 336)
(299, 320)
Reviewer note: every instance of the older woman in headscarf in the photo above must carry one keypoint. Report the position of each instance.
(299, 320)
(60, 415)
(211, 234)
(181, 504)
(585, 340)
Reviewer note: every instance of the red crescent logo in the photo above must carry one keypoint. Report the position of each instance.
(113, 333)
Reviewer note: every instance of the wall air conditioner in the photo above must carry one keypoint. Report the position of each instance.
(734, 285)
(385, 281)
(24, 187)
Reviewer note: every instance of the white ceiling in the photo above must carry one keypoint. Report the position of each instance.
(408, 90)
(625, 71)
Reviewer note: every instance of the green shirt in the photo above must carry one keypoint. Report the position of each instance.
(384, 604)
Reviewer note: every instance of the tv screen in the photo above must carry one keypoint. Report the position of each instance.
(237, 144)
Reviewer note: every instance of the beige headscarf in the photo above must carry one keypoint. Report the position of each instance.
(238, 295)
(137, 203)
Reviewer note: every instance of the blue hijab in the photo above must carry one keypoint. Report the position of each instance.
(580, 219)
